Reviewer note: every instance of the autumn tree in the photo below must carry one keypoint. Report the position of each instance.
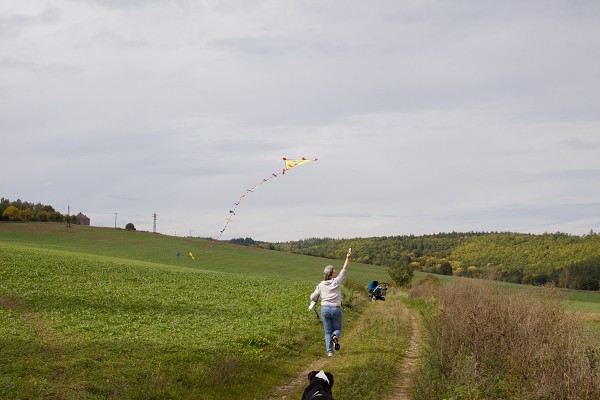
(13, 213)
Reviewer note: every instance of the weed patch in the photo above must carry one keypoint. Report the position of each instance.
(488, 343)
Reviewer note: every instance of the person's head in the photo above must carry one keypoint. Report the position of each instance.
(328, 273)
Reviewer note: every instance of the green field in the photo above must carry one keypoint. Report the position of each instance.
(96, 313)
(161, 249)
(102, 313)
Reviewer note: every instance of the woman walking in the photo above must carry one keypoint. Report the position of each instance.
(329, 290)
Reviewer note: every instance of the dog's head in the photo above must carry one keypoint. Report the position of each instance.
(321, 375)
(319, 386)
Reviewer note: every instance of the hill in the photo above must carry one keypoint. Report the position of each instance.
(162, 249)
(565, 260)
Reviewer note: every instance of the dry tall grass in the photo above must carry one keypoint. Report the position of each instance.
(490, 343)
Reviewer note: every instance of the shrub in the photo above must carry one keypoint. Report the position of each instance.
(401, 273)
(487, 343)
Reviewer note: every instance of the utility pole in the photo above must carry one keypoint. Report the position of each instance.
(116, 220)
(154, 215)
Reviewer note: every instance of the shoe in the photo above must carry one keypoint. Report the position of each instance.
(329, 354)
(336, 342)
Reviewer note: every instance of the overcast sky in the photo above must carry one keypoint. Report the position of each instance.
(426, 116)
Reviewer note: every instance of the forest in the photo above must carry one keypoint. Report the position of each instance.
(565, 260)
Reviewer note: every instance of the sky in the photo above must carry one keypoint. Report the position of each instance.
(426, 116)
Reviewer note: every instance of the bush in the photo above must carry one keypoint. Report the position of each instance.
(401, 273)
(487, 343)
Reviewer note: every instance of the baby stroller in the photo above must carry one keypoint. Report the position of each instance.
(377, 290)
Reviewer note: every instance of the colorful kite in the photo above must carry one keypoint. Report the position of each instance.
(289, 164)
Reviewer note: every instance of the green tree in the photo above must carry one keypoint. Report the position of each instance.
(401, 273)
(130, 227)
(27, 214)
(446, 268)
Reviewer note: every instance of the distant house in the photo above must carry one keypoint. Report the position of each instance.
(82, 219)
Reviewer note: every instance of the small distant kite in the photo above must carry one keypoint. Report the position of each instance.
(289, 164)
(178, 254)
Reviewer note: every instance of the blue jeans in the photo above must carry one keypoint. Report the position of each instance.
(332, 323)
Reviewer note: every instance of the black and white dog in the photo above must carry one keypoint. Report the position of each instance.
(319, 386)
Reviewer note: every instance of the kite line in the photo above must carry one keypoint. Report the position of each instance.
(289, 164)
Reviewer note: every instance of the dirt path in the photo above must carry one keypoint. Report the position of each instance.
(401, 386)
(409, 368)
(301, 379)
(284, 392)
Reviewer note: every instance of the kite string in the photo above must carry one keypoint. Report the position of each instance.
(289, 164)
(236, 205)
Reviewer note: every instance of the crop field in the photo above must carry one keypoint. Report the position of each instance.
(85, 325)
(162, 249)
(88, 324)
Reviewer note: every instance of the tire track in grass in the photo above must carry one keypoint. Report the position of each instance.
(50, 343)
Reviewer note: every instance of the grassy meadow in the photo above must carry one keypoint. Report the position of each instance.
(162, 249)
(92, 313)
(97, 313)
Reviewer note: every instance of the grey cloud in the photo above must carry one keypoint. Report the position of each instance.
(581, 144)
(525, 214)
(13, 24)
(52, 67)
(257, 46)
(568, 174)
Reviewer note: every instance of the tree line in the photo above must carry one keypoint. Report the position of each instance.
(25, 211)
(562, 259)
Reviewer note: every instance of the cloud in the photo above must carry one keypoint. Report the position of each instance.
(425, 116)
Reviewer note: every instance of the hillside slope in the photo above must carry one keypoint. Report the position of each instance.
(162, 249)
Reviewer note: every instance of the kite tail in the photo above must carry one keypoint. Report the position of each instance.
(289, 164)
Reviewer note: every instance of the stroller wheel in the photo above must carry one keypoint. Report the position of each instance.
(374, 298)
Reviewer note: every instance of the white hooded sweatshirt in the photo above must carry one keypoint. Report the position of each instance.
(329, 291)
